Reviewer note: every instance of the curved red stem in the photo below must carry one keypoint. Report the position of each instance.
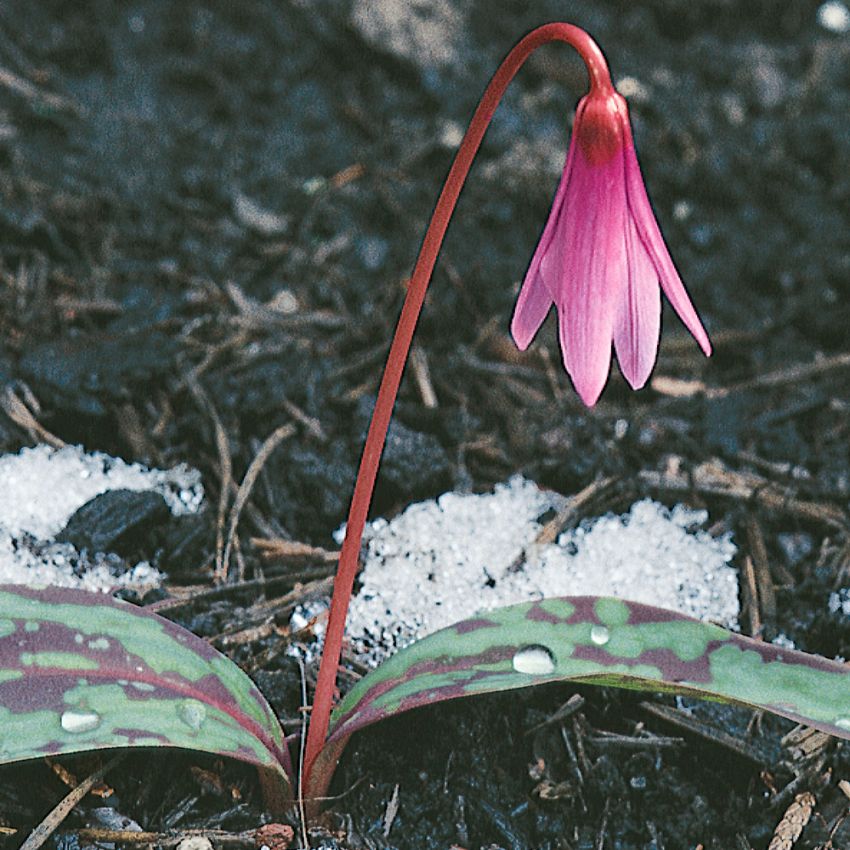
(397, 358)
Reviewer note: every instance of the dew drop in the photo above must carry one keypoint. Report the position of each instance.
(535, 660)
(79, 721)
(600, 635)
(843, 723)
(192, 713)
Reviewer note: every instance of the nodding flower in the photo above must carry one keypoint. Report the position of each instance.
(599, 261)
(602, 257)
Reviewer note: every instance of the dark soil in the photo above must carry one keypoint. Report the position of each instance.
(208, 211)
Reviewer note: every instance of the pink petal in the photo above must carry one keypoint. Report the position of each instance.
(653, 241)
(638, 324)
(532, 305)
(531, 309)
(585, 269)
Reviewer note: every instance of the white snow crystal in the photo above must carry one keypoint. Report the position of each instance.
(840, 601)
(784, 641)
(444, 560)
(834, 16)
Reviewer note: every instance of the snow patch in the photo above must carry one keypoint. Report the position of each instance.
(834, 16)
(447, 559)
(839, 601)
(42, 487)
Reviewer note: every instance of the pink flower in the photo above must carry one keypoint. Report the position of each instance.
(601, 258)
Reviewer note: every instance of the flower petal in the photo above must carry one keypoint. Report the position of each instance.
(531, 306)
(638, 324)
(586, 267)
(531, 309)
(653, 241)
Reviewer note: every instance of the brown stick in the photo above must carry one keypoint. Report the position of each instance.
(49, 825)
(271, 443)
(716, 736)
(761, 563)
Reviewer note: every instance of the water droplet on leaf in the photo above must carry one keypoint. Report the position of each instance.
(76, 722)
(192, 713)
(600, 635)
(535, 660)
(843, 723)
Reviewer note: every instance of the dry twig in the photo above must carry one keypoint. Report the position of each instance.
(704, 730)
(219, 837)
(55, 817)
(276, 549)
(422, 376)
(24, 417)
(761, 566)
(796, 816)
(271, 443)
(31, 92)
(713, 478)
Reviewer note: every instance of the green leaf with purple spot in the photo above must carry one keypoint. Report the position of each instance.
(601, 641)
(82, 671)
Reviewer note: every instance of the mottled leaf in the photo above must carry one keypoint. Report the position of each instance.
(82, 671)
(601, 641)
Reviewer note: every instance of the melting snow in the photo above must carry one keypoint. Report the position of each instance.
(840, 601)
(446, 559)
(41, 487)
(834, 16)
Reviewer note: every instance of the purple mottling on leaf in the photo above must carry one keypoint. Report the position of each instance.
(640, 615)
(538, 614)
(49, 694)
(776, 654)
(442, 664)
(449, 664)
(466, 626)
(584, 610)
(671, 667)
(710, 675)
(118, 644)
(115, 663)
(368, 713)
(134, 735)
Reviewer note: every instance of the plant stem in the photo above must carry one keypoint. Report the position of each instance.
(349, 556)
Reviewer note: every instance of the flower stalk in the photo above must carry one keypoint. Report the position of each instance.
(600, 83)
